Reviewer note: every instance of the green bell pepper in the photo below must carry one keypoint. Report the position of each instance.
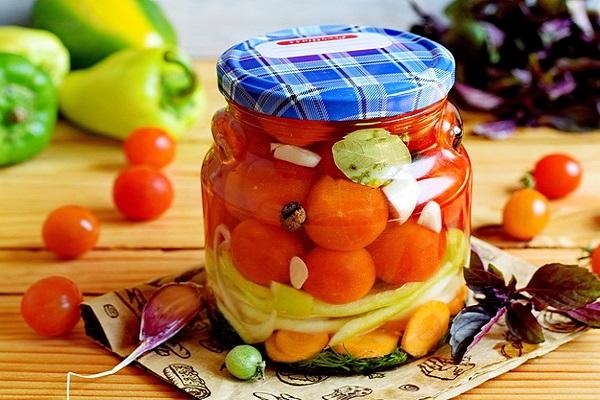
(28, 109)
(134, 88)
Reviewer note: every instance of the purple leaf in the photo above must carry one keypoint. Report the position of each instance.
(522, 75)
(563, 287)
(469, 326)
(496, 130)
(523, 325)
(476, 98)
(562, 87)
(579, 15)
(554, 30)
(494, 34)
(589, 315)
(582, 117)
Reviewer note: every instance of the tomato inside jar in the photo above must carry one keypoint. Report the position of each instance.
(337, 197)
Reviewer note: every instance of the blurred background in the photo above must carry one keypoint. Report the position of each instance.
(207, 27)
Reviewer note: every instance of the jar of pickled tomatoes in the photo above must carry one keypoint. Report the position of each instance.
(336, 197)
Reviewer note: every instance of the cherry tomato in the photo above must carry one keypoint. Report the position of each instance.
(70, 231)
(557, 175)
(525, 214)
(149, 146)
(51, 306)
(595, 258)
(142, 193)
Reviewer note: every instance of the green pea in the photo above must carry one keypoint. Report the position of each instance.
(245, 362)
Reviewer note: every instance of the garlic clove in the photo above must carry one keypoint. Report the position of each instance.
(431, 217)
(402, 193)
(298, 272)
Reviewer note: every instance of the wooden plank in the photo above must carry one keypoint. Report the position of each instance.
(571, 372)
(103, 270)
(98, 272)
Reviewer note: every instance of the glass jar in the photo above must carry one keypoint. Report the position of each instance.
(336, 229)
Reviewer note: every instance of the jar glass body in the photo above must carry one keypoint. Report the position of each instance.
(359, 255)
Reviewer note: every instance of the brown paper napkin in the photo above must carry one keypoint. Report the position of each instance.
(193, 360)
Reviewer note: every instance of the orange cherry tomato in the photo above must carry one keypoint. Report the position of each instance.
(343, 215)
(525, 214)
(595, 259)
(262, 252)
(407, 252)
(259, 188)
(142, 193)
(51, 306)
(557, 175)
(339, 277)
(149, 146)
(327, 165)
(70, 231)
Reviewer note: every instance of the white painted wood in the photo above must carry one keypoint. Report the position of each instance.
(208, 27)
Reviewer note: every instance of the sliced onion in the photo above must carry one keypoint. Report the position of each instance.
(402, 193)
(295, 155)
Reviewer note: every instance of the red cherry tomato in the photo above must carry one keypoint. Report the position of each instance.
(149, 146)
(70, 231)
(595, 258)
(51, 306)
(142, 193)
(557, 175)
(526, 214)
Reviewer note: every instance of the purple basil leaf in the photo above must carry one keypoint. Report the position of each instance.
(482, 280)
(576, 118)
(589, 315)
(496, 130)
(522, 75)
(579, 15)
(475, 263)
(562, 87)
(469, 326)
(554, 30)
(477, 98)
(495, 36)
(523, 325)
(564, 287)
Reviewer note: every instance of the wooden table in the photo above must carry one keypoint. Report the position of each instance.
(79, 169)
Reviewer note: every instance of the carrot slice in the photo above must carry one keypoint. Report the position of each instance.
(458, 302)
(289, 347)
(377, 343)
(397, 326)
(425, 328)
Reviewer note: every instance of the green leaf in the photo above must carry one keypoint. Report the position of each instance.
(523, 325)
(331, 362)
(370, 157)
(563, 287)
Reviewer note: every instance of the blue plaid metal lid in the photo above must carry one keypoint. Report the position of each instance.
(336, 73)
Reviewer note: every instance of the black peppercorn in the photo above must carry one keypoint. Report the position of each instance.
(292, 216)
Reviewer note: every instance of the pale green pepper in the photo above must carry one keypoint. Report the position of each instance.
(134, 88)
(42, 48)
